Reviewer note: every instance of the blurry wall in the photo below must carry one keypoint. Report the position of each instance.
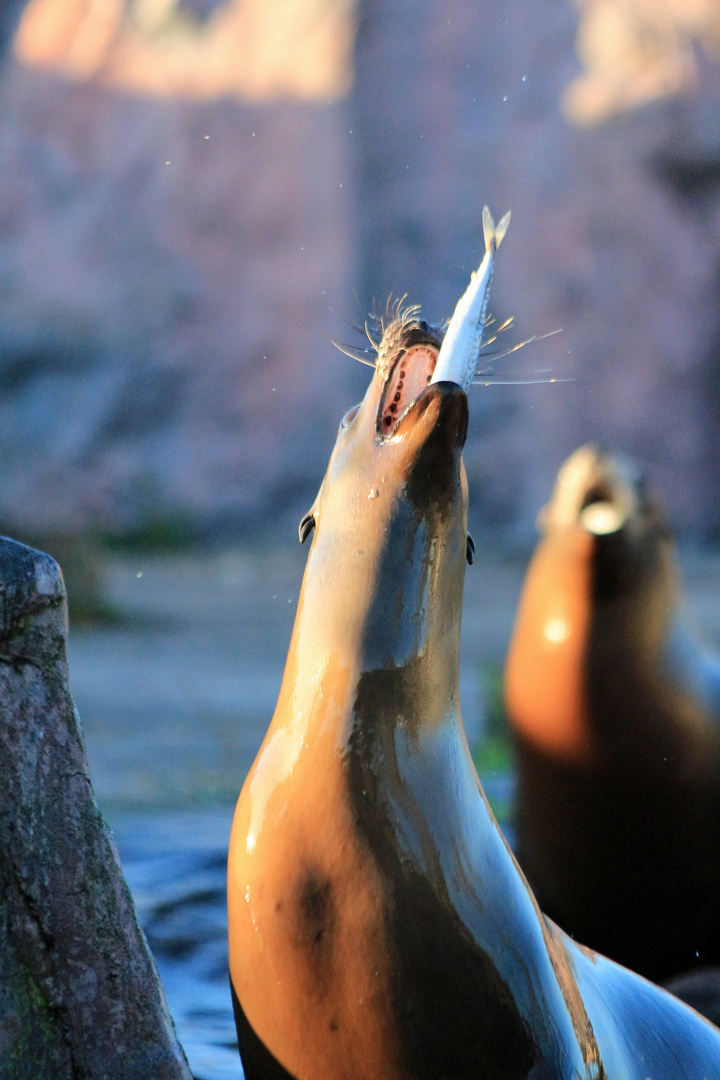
(176, 227)
(192, 192)
(610, 159)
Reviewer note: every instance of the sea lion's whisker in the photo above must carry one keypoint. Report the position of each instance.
(514, 348)
(353, 351)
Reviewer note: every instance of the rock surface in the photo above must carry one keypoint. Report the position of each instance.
(79, 994)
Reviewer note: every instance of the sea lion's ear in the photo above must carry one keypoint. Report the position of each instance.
(309, 522)
(307, 525)
(470, 550)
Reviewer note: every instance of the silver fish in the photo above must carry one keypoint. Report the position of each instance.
(458, 357)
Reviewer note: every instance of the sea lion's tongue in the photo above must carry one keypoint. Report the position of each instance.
(410, 376)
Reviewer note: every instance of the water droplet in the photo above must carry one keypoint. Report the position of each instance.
(207, 136)
(139, 573)
(524, 78)
(505, 97)
(373, 493)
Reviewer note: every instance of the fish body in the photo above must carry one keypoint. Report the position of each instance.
(458, 358)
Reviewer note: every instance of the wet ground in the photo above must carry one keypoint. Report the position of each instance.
(175, 694)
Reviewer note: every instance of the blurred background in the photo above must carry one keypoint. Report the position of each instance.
(196, 196)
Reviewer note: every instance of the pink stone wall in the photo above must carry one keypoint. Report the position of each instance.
(164, 327)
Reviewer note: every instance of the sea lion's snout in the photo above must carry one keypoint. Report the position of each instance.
(447, 405)
(407, 358)
(597, 491)
(409, 400)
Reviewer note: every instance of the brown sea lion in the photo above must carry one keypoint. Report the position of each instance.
(617, 718)
(379, 926)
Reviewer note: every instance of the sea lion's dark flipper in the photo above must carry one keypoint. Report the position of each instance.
(258, 1063)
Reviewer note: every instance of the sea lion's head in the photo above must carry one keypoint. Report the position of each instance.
(604, 498)
(390, 518)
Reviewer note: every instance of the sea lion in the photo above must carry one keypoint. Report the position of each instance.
(616, 714)
(379, 926)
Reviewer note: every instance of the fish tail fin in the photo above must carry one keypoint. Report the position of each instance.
(494, 233)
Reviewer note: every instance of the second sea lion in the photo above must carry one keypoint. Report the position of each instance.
(616, 713)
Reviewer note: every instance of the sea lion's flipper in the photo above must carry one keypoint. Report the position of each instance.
(257, 1061)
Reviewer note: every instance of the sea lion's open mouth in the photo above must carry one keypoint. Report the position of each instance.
(601, 510)
(409, 376)
(607, 503)
(596, 491)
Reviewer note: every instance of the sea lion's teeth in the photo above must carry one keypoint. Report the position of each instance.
(457, 361)
(410, 376)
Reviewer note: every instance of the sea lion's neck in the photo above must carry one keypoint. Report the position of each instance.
(397, 590)
(543, 677)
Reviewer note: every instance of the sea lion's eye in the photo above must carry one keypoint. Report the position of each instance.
(348, 418)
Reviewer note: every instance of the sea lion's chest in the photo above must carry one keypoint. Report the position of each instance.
(308, 950)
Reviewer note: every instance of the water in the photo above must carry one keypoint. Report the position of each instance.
(175, 865)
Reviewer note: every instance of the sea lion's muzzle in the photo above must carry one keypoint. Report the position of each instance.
(408, 398)
(598, 492)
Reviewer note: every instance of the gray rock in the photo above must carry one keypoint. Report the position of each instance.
(79, 992)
